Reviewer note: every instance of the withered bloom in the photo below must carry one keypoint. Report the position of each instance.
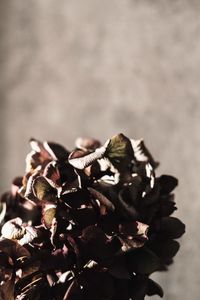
(91, 224)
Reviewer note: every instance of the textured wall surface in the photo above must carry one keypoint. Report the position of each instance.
(95, 68)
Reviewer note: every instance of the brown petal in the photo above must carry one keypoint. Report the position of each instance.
(87, 143)
(167, 183)
(33, 161)
(119, 151)
(76, 197)
(13, 249)
(49, 213)
(80, 159)
(2, 211)
(171, 227)
(135, 229)
(143, 261)
(52, 173)
(56, 151)
(154, 288)
(104, 201)
(141, 153)
(29, 235)
(165, 249)
(43, 190)
(13, 229)
(29, 194)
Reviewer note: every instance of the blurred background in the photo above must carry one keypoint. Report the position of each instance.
(95, 68)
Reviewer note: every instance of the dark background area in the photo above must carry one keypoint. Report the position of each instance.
(96, 68)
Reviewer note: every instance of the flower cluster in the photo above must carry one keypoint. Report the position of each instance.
(91, 224)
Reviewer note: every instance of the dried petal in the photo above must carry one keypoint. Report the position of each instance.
(102, 199)
(56, 151)
(87, 143)
(143, 261)
(52, 174)
(76, 198)
(49, 213)
(165, 249)
(171, 227)
(119, 151)
(29, 235)
(154, 288)
(167, 183)
(95, 224)
(43, 190)
(134, 229)
(2, 211)
(81, 159)
(142, 154)
(13, 229)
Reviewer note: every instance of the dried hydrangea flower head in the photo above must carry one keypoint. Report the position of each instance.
(93, 223)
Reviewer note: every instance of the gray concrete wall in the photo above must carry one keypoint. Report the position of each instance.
(71, 68)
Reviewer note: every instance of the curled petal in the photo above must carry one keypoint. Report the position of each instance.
(141, 153)
(43, 190)
(56, 151)
(49, 213)
(102, 199)
(13, 229)
(29, 235)
(80, 159)
(87, 143)
(52, 174)
(119, 151)
(2, 211)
